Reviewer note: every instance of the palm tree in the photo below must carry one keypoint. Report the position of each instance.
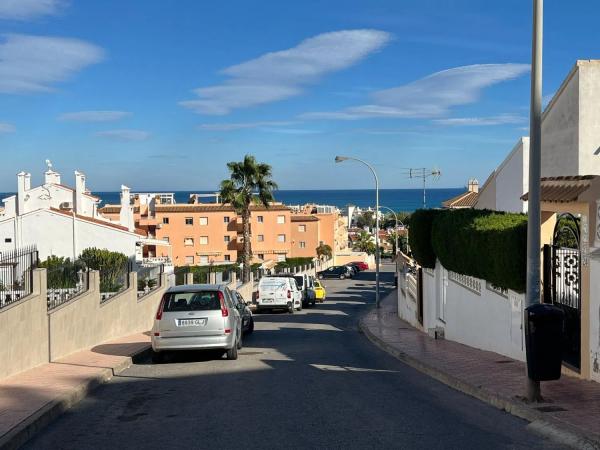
(324, 251)
(365, 243)
(249, 182)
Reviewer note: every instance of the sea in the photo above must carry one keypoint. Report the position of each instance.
(396, 199)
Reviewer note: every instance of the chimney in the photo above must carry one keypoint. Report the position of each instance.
(23, 185)
(79, 191)
(473, 185)
(51, 177)
(126, 216)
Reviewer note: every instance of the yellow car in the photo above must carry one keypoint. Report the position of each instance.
(320, 292)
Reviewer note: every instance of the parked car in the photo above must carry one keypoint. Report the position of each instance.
(353, 270)
(306, 286)
(341, 272)
(245, 312)
(361, 265)
(278, 292)
(197, 317)
(320, 291)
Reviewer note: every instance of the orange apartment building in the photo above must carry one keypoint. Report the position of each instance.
(204, 233)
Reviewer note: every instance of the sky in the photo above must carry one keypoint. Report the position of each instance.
(161, 95)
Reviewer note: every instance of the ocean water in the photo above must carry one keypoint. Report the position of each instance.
(396, 199)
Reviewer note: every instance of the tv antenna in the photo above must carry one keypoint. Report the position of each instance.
(424, 173)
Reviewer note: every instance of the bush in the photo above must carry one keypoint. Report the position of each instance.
(419, 237)
(294, 262)
(484, 244)
(113, 267)
(61, 272)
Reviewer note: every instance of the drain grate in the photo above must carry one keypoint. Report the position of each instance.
(504, 361)
(550, 409)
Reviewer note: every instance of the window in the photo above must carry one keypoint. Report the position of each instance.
(166, 220)
(302, 244)
(192, 301)
(8, 240)
(189, 221)
(188, 242)
(280, 258)
(260, 219)
(226, 219)
(189, 260)
(260, 238)
(302, 228)
(166, 239)
(203, 259)
(203, 220)
(227, 257)
(281, 238)
(203, 240)
(226, 239)
(261, 256)
(280, 219)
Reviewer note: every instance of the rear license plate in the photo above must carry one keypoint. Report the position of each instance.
(267, 300)
(191, 322)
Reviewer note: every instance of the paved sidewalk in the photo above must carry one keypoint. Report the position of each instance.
(571, 413)
(32, 399)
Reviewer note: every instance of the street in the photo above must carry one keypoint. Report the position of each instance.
(307, 380)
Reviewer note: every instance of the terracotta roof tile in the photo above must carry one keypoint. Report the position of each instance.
(97, 221)
(184, 207)
(464, 200)
(563, 189)
(304, 218)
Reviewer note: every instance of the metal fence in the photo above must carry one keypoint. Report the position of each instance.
(113, 281)
(65, 282)
(149, 279)
(16, 274)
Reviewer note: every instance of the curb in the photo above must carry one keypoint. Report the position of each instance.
(557, 431)
(52, 410)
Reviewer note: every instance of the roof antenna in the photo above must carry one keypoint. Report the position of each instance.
(49, 164)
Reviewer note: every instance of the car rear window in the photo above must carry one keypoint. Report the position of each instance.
(192, 301)
(299, 281)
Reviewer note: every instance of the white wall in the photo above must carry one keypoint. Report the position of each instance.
(595, 318)
(589, 117)
(512, 179)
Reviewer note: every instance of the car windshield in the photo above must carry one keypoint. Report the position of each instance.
(192, 301)
(299, 281)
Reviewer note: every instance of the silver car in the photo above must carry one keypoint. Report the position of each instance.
(197, 317)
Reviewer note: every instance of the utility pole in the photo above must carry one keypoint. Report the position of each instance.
(532, 296)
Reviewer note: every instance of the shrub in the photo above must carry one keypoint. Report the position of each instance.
(294, 262)
(484, 244)
(61, 272)
(113, 267)
(419, 237)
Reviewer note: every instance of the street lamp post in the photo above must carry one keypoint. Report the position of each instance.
(532, 295)
(339, 159)
(397, 221)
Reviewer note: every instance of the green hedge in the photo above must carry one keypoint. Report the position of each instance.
(484, 244)
(419, 237)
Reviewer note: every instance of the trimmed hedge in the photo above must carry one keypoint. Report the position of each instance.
(485, 244)
(419, 237)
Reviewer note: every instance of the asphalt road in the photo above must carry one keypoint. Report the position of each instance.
(307, 380)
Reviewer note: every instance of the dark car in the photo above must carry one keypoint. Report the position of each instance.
(245, 313)
(340, 272)
(353, 270)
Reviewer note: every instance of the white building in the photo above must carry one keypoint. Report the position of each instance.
(63, 221)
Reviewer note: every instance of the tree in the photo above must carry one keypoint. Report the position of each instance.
(113, 267)
(366, 219)
(324, 251)
(402, 242)
(249, 182)
(365, 243)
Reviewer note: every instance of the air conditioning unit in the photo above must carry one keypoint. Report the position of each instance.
(159, 226)
(66, 206)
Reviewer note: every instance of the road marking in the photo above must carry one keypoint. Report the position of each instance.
(330, 368)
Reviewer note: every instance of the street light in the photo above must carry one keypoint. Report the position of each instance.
(339, 159)
(397, 220)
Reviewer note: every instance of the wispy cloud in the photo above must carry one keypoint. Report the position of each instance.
(6, 128)
(279, 75)
(29, 9)
(94, 116)
(502, 119)
(124, 135)
(35, 63)
(241, 126)
(429, 97)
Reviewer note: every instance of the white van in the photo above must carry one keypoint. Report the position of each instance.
(279, 293)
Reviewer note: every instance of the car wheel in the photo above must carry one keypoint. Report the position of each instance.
(342, 277)
(291, 308)
(320, 277)
(250, 327)
(158, 357)
(314, 302)
(239, 343)
(232, 353)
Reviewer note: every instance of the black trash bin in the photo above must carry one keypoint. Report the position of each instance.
(544, 334)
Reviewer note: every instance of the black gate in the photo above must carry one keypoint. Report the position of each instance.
(562, 283)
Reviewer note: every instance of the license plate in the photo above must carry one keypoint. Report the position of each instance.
(267, 300)
(191, 322)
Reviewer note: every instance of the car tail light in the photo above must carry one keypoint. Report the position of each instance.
(161, 306)
(224, 310)
(227, 330)
(289, 294)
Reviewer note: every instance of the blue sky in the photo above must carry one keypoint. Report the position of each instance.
(160, 95)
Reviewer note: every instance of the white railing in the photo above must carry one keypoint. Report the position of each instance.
(411, 285)
(471, 283)
(500, 291)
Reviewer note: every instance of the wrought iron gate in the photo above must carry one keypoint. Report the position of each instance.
(562, 283)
